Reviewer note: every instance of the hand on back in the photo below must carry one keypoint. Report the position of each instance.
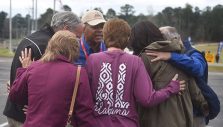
(176, 85)
(159, 55)
(25, 58)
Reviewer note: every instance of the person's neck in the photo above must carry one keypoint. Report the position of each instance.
(93, 45)
(114, 49)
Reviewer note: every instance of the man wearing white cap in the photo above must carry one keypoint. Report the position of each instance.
(92, 38)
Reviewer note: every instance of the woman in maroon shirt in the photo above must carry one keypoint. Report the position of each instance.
(119, 80)
(47, 86)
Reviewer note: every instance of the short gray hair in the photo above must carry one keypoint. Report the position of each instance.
(60, 19)
(170, 33)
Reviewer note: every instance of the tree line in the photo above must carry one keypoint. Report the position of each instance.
(201, 25)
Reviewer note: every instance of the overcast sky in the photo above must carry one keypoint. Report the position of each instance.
(79, 6)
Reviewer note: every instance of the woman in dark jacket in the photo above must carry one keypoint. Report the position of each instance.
(178, 110)
(47, 86)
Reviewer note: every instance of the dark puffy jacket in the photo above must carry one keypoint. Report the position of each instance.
(37, 41)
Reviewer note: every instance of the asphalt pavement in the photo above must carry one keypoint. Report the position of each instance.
(5, 64)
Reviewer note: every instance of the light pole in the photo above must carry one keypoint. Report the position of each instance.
(36, 17)
(10, 26)
(32, 21)
(54, 6)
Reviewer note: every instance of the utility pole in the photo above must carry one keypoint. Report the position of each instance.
(54, 6)
(29, 21)
(36, 21)
(10, 26)
(33, 20)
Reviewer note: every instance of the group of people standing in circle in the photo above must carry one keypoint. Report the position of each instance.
(149, 88)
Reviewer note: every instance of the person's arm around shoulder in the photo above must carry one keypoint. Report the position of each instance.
(84, 102)
(146, 95)
(194, 64)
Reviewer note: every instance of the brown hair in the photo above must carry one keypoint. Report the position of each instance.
(116, 33)
(62, 43)
(144, 33)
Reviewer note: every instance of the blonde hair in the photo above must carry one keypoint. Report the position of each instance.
(62, 43)
(116, 33)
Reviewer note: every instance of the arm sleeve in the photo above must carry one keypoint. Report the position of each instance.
(84, 103)
(19, 91)
(144, 92)
(194, 64)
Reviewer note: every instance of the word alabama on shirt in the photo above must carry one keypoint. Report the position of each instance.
(106, 103)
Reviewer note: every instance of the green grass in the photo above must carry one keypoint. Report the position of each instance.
(5, 53)
(212, 47)
(212, 68)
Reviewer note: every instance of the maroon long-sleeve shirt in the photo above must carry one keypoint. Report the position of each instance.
(118, 82)
(48, 88)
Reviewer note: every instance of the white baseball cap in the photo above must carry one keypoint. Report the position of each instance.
(93, 17)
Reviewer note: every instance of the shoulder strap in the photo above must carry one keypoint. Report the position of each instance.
(190, 51)
(35, 45)
(74, 94)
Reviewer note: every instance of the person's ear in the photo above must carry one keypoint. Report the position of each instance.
(65, 27)
(128, 38)
(85, 26)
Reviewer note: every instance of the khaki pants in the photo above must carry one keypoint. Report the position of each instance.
(14, 123)
(199, 122)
